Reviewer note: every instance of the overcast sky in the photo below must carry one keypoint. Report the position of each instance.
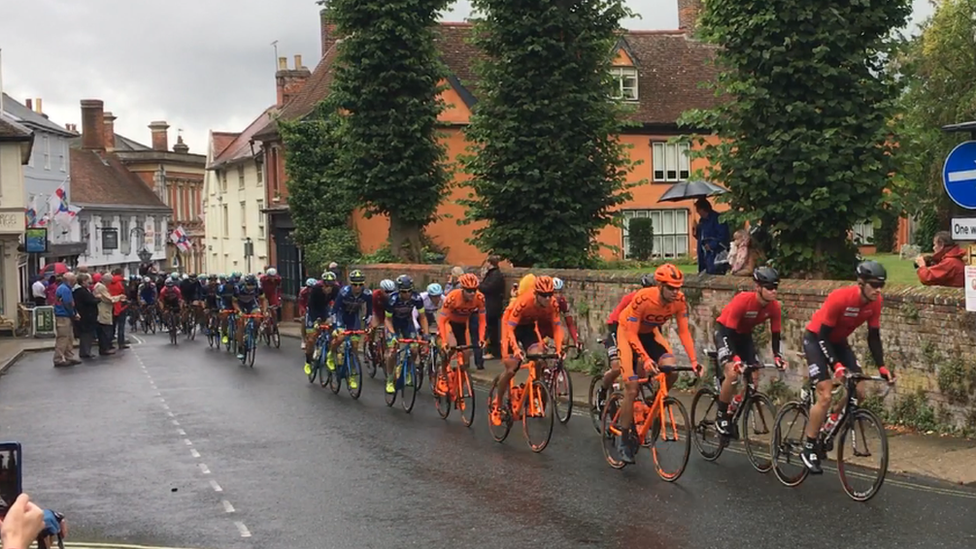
(198, 64)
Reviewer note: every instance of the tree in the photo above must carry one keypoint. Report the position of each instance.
(547, 168)
(804, 142)
(939, 69)
(320, 198)
(386, 84)
(641, 230)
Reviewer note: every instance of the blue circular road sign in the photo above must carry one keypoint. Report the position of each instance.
(959, 175)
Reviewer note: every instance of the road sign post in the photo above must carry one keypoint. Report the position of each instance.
(959, 175)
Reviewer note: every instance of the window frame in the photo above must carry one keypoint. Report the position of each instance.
(681, 155)
(675, 236)
(619, 73)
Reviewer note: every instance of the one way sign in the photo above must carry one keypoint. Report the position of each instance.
(959, 175)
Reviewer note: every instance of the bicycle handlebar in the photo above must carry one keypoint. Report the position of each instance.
(353, 332)
(461, 348)
(409, 341)
(542, 356)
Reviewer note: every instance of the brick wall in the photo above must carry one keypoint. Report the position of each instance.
(926, 331)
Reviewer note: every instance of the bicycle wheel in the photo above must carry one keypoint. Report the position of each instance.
(408, 388)
(391, 397)
(593, 399)
(314, 371)
(443, 402)
(704, 407)
(418, 378)
(354, 372)
(431, 366)
(276, 336)
(787, 443)
(335, 378)
(498, 432)
(676, 429)
(562, 394)
(252, 346)
(861, 426)
(757, 430)
(609, 418)
(466, 402)
(539, 407)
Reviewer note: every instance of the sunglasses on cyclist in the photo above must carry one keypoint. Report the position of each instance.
(544, 295)
(876, 284)
(771, 287)
(467, 291)
(357, 284)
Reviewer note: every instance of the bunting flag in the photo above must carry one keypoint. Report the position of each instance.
(31, 212)
(60, 211)
(180, 239)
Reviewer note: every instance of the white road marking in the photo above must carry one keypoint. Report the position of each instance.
(177, 423)
(204, 469)
(170, 414)
(215, 486)
(194, 453)
(158, 393)
(187, 442)
(165, 406)
(245, 533)
(227, 506)
(181, 432)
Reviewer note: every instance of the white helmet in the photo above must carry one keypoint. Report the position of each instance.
(388, 285)
(185, 276)
(272, 271)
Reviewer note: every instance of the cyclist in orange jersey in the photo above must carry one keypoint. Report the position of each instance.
(454, 320)
(640, 332)
(529, 311)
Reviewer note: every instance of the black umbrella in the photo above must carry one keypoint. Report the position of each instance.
(689, 190)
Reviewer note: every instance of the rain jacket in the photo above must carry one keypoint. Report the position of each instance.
(947, 269)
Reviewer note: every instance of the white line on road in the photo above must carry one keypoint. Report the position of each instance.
(177, 423)
(181, 432)
(170, 414)
(165, 406)
(194, 453)
(215, 486)
(187, 442)
(157, 392)
(245, 533)
(204, 469)
(227, 506)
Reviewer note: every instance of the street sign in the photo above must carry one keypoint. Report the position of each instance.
(971, 288)
(964, 229)
(959, 175)
(35, 240)
(43, 321)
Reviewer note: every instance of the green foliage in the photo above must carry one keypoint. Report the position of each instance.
(319, 195)
(914, 411)
(641, 231)
(545, 160)
(804, 144)
(957, 381)
(886, 229)
(430, 253)
(386, 84)
(779, 392)
(589, 362)
(938, 67)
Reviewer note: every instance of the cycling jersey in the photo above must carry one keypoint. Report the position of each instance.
(570, 321)
(640, 328)
(401, 308)
(170, 296)
(190, 290)
(227, 292)
(521, 318)
(430, 310)
(271, 286)
(744, 313)
(147, 293)
(843, 311)
(348, 307)
(248, 299)
(380, 297)
(614, 317)
(457, 313)
(303, 299)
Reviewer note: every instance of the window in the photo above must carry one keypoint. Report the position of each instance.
(64, 154)
(225, 220)
(124, 236)
(240, 176)
(222, 174)
(47, 153)
(86, 235)
(670, 231)
(244, 216)
(157, 234)
(625, 83)
(864, 233)
(259, 169)
(670, 161)
(260, 218)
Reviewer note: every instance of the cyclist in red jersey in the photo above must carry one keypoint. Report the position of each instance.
(271, 287)
(733, 337)
(828, 352)
(610, 342)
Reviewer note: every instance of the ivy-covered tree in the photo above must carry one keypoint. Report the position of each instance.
(320, 198)
(939, 70)
(805, 145)
(547, 167)
(386, 84)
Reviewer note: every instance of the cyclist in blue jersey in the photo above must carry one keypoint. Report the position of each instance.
(147, 292)
(249, 299)
(318, 308)
(348, 311)
(400, 309)
(226, 292)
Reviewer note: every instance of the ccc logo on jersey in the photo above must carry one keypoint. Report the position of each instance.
(655, 319)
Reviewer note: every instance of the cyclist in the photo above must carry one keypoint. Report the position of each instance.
(132, 297)
(226, 293)
(211, 299)
(147, 298)
(733, 337)
(454, 320)
(433, 298)
(190, 288)
(347, 309)
(170, 300)
(303, 306)
(271, 286)
(640, 333)
(531, 310)
(321, 296)
(249, 298)
(380, 297)
(557, 284)
(830, 355)
(399, 324)
(611, 341)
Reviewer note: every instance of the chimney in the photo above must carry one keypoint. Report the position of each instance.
(92, 125)
(180, 147)
(109, 119)
(29, 103)
(328, 30)
(37, 104)
(160, 140)
(290, 81)
(688, 13)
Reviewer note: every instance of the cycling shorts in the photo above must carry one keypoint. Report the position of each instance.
(405, 330)
(817, 361)
(460, 331)
(248, 308)
(610, 342)
(630, 365)
(350, 321)
(730, 343)
(525, 337)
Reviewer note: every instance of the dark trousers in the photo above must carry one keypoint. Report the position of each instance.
(473, 327)
(105, 333)
(493, 334)
(85, 340)
(119, 327)
(40, 301)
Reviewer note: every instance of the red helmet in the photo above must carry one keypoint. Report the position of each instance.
(468, 281)
(544, 285)
(670, 275)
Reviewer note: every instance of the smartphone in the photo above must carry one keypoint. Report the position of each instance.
(11, 475)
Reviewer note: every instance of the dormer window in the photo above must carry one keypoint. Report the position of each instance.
(626, 83)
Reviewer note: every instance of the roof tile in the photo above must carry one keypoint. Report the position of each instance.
(100, 178)
(12, 129)
(239, 146)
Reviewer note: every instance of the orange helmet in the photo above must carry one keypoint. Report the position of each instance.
(544, 285)
(670, 275)
(468, 281)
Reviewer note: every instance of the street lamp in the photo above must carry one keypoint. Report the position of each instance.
(248, 252)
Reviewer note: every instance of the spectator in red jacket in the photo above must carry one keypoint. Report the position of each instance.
(117, 288)
(945, 267)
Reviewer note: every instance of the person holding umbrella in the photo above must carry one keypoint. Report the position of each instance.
(712, 235)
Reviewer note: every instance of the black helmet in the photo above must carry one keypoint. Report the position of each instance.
(404, 282)
(647, 281)
(766, 276)
(872, 270)
(357, 277)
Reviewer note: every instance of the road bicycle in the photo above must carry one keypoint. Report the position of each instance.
(596, 407)
(350, 368)
(231, 344)
(172, 324)
(851, 424)
(147, 318)
(453, 389)
(655, 423)
(560, 385)
(751, 407)
(405, 375)
(250, 338)
(373, 350)
(525, 401)
(320, 353)
(269, 329)
(213, 329)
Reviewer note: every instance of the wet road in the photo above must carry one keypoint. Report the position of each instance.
(186, 448)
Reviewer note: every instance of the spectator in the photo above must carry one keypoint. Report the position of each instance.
(50, 289)
(64, 314)
(945, 267)
(105, 306)
(744, 257)
(712, 236)
(116, 287)
(452, 278)
(39, 292)
(493, 286)
(87, 305)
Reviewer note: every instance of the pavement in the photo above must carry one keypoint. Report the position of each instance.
(166, 446)
(12, 349)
